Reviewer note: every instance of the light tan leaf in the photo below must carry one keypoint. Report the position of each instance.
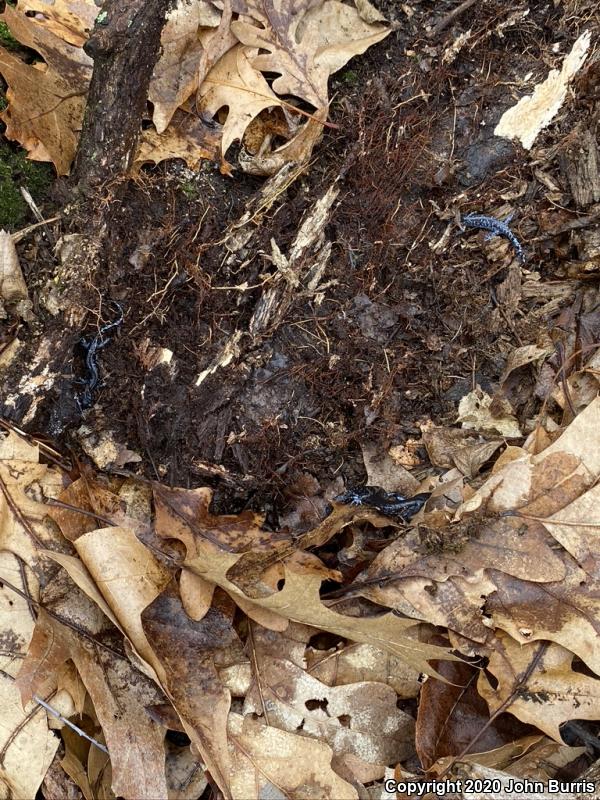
(305, 49)
(128, 576)
(13, 446)
(359, 719)
(577, 528)
(566, 612)
(176, 74)
(27, 745)
(70, 20)
(520, 356)
(551, 695)
(119, 693)
(363, 662)
(196, 594)
(24, 526)
(476, 412)
(235, 83)
(80, 575)
(270, 762)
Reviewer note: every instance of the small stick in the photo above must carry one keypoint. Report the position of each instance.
(450, 17)
(71, 725)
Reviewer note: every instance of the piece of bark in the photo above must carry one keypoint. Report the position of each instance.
(580, 164)
(124, 44)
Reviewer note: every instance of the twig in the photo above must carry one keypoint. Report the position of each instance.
(18, 235)
(450, 17)
(519, 684)
(71, 725)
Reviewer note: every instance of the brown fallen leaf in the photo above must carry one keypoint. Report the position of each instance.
(177, 72)
(45, 112)
(27, 745)
(552, 693)
(24, 482)
(185, 653)
(454, 447)
(182, 514)
(235, 83)
(267, 760)
(358, 719)
(566, 612)
(452, 716)
(187, 137)
(305, 49)
(363, 662)
(118, 690)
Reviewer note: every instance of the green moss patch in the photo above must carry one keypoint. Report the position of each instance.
(17, 171)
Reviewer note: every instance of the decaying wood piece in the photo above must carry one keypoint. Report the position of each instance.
(298, 272)
(580, 164)
(124, 45)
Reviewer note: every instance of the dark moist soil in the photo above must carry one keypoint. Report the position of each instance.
(402, 332)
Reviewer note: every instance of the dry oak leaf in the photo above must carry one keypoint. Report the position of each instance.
(43, 114)
(176, 74)
(24, 526)
(50, 32)
(27, 745)
(359, 719)
(268, 762)
(363, 662)
(235, 83)
(447, 588)
(69, 20)
(185, 655)
(187, 137)
(305, 48)
(551, 479)
(552, 694)
(566, 612)
(182, 514)
(120, 694)
(46, 100)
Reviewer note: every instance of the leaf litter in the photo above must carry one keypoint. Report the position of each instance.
(214, 651)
